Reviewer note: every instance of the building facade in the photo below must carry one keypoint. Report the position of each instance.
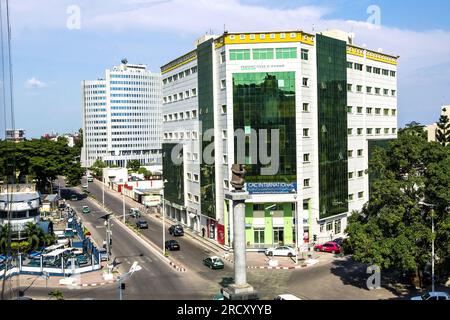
(15, 135)
(122, 116)
(432, 128)
(299, 110)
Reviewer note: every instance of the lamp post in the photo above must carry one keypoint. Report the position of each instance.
(432, 242)
(164, 218)
(123, 204)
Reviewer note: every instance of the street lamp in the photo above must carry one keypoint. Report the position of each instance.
(135, 267)
(432, 242)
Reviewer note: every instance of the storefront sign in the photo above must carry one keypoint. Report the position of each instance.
(271, 188)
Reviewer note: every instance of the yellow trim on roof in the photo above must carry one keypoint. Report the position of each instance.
(355, 51)
(375, 56)
(191, 56)
(264, 37)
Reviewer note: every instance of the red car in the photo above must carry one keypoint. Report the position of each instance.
(332, 247)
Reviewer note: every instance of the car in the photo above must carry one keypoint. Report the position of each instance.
(86, 209)
(331, 247)
(103, 254)
(135, 213)
(432, 296)
(176, 230)
(287, 296)
(142, 224)
(74, 197)
(172, 245)
(284, 251)
(90, 178)
(213, 262)
(339, 241)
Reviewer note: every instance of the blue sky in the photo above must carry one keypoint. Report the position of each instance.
(51, 60)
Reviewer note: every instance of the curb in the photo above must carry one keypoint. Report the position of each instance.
(271, 268)
(95, 284)
(176, 267)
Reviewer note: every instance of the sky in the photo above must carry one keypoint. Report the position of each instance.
(53, 50)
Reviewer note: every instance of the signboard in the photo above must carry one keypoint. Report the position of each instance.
(271, 188)
(151, 201)
(221, 234)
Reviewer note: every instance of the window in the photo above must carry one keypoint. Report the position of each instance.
(385, 72)
(358, 66)
(196, 177)
(258, 234)
(189, 176)
(377, 111)
(226, 184)
(359, 88)
(369, 90)
(187, 72)
(224, 108)
(239, 54)
(282, 35)
(306, 107)
(360, 131)
(350, 175)
(165, 117)
(329, 226)
(222, 57)
(224, 159)
(369, 130)
(349, 131)
(194, 113)
(349, 109)
(262, 54)
(392, 73)
(306, 183)
(305, 82)
(349, 87)
(306, 157)
(306, 204)
(386, 112)
(386, 130)
(187, 94)
(378, 131)
(350, 153)
(360, 152)
(286, 53)
(305, 132)
(361, 195)
(223, 84)
(394, 130)
(350, 197)
(377, 70)
(195, 156)
(224, 134)
(305, 54)
(321, 228)
(369, 110)
(194, 92)
(190, 196)
(181, 95)
(196, 199)
(377, 91)
(369, 69)
(337, 226)
(394, 112)
(385, 92)
(242, 36)
(393, 92)
(252, 37)
(262, 36)
(360, 173)
(349, 65)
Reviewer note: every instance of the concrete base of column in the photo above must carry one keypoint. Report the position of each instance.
(235, 292)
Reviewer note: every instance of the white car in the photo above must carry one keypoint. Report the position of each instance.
(287, 296)
(433, 296)
(283, 251)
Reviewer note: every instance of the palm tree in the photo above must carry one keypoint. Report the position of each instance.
(4, 232)
(34, 235)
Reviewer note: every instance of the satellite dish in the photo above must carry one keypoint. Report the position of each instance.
(124, 61)
(70, 220)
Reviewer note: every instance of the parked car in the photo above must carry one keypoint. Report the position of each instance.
(90, 178)
(176, 230)
(135, 213)
(339, 241)
(283, 251)
(331, 247)
(86, 209)
(103, 255)
(142, 224)
(287, 297)
(172, 245)
(213, 262)
(433, 296)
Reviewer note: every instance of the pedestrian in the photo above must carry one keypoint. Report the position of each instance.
(203, 232)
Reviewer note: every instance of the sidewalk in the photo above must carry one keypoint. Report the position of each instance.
(90, 279)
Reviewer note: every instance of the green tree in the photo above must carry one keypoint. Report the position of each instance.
(56, 294)
(145, 172)
(393, 231)
(443, 130)
(133, 165)
(97, 168)
(35, 235)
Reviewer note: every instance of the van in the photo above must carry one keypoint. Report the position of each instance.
(287, 297)
(90, 178)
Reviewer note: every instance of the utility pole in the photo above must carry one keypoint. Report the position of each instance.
(123, 205)
(432, 206)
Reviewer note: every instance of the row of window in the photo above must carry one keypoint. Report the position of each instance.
(91, 92)
(135, 83)
(129, 76)
(352, 196)
(180, 96)
(95, 86)
(193, 198)
(370, 131)
(95, 104)
(132, 95)
(133, 101)
(95, 98)
(134, 89)
(186, 115)
(329, 226)
(360, 174)
(181, 135)
(131, 139)
(193, 177)
(370, 69)
(180, 75)
(369, 90)
(266, 54)
(369, 111)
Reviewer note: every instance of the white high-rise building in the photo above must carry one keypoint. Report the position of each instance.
(332, 103)
(122, 116)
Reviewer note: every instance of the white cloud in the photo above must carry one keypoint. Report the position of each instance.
(34, 83)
